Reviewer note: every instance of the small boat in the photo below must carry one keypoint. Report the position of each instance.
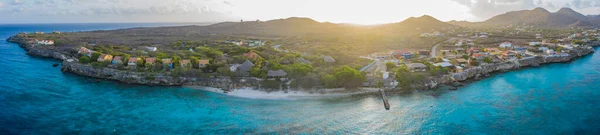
(55, 65)
(452, 88)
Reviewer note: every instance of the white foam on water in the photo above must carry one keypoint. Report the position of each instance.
(279, 95)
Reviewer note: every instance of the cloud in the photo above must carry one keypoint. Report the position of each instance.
(129, 10)
(581, 4)
(227, 3)
(115, 7)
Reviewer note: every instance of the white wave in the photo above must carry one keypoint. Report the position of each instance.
(281, 95)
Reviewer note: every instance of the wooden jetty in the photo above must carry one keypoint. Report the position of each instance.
(386, 104)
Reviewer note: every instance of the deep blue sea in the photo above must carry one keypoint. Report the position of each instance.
(36, 98)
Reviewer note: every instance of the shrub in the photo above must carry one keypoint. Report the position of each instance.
(84, 59)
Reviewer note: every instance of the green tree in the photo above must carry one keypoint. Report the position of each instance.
(379, 84)
(225, 71)
(390, 65)
(84, 59)
(161, 55)
(579, 42)
(95, 56)
(141, 63)
(210, 52)
(348, 77)
(194, 61)
(257, 72)
(298, 69)
(404, 77)
(465, 56)
(329, 81)
(126, 59)
(176, 60)
(488, 59)
(149, 66)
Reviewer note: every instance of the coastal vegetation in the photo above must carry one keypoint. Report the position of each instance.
(304, 54)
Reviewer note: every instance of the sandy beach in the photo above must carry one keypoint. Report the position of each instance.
(290, 95)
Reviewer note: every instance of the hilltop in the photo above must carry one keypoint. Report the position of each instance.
(539, 17)
(279, 28)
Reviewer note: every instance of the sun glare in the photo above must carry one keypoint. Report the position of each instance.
(350, 11)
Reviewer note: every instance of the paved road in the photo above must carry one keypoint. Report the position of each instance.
(434, 48)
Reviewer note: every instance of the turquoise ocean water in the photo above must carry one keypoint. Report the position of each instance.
(36, 98)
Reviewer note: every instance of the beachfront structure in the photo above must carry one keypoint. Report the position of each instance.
(244, 69)
(328, 59)
(203, 63)
(45, 42)
(85, 51)
(506, 44)
(104, 57)
(276, 74)
(184, 63)
(117, 60)
(167, 63)
(478, 56)
(509, 54)
(233, 67)
(417, 67)
(132, 62)
(150, 61)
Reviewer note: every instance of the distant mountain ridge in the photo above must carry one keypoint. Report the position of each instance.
(297, 26)
(539, 17)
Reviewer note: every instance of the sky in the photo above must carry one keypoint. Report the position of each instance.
(336, 11)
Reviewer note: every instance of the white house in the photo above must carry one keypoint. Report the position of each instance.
(460, 43)
(233, 67)
(443, 64)
(45, 42)
(506, 44)
(549, 51)
(566, 46)
(152, 49)
(534, 43)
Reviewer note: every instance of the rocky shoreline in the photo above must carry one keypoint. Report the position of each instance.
(476, 73)
(225, 83)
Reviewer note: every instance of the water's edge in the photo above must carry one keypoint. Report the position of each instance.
(224, 83)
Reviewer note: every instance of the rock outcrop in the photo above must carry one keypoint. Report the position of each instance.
(477, 72)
